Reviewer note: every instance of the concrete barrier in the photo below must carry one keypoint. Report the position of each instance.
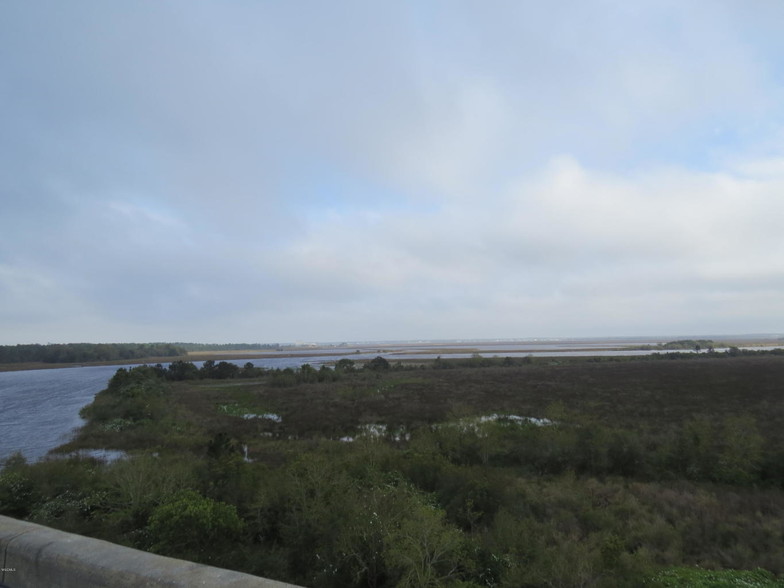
(34, 556)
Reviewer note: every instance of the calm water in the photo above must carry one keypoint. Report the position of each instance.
(40, 408)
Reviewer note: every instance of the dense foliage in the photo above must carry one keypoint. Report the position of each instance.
(476, 472)
(84, 352)
(696, 344)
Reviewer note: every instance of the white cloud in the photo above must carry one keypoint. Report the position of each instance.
(364, 171)
(571, 238)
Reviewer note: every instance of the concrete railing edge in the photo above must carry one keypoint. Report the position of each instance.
(34, 555)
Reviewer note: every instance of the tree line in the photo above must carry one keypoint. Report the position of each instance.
(86, 352)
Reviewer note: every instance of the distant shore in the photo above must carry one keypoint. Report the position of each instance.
(390, 349)
(193, 356)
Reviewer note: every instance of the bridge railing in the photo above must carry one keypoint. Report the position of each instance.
(34, 556)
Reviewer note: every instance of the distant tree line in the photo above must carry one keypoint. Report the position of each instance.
(481, 361)
(279, 377)
(695, 344)
(731, 351)
(692, 344)
(84, 352)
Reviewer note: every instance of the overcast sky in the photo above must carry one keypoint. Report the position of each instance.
(344, 171)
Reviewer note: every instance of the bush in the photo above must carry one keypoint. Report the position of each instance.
(17, 495)
(190, 526)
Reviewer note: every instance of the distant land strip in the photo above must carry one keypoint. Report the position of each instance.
(50, 356)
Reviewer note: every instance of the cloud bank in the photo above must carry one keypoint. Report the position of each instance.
(301, 171)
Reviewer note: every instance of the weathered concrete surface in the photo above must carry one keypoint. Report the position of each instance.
(34, 556)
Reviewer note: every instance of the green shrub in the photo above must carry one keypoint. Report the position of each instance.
(17, 495)
(190, 526)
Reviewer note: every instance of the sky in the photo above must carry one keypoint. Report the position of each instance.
(263, 171)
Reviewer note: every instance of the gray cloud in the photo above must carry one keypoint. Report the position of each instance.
(351, 171)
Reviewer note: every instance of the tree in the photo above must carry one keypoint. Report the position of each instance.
(208, 369)
(377, 364)
(345, 365)
(740, 453)
(225, 371)
(308, 373)
(423, 548)
(182, 370)
(250, 371)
